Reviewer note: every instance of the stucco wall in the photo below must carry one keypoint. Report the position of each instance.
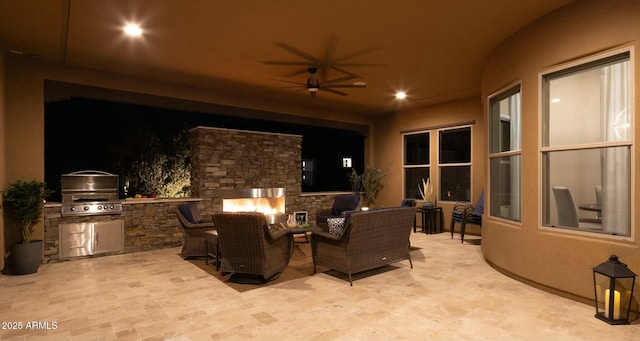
(388, 150)
(2, 154)
(556, 258)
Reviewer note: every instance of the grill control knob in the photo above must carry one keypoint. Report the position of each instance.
(72, 209)
(111, 207)
(86, 208)
(99, 207)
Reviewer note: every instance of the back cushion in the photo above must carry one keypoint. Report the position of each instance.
(344, 202)
(408, 203)
(479, 207)
(191, 212)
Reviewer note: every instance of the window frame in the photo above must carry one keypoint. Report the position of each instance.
(500, 95)
(546, 149)
(468, 164)
(406, 166)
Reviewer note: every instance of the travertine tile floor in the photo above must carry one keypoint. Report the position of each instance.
(450, 294)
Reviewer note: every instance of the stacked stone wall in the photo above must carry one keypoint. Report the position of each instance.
(147, 226)
(238, 159)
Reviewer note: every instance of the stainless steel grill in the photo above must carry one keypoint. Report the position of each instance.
(90, 192)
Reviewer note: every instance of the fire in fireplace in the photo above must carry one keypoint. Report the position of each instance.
(270, 201)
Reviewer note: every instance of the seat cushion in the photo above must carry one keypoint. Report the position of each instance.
(191, 212)
(211, 236)
(456, 215)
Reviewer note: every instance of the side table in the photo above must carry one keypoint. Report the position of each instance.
(302, 230)
(429, 219)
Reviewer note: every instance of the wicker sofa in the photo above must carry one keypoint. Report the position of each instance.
(369, 239)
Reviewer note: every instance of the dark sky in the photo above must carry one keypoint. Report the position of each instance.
(80, 134)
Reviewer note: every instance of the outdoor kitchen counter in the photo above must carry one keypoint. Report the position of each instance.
(149, 224)
(130, 201)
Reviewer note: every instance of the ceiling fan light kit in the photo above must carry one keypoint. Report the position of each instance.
(313, 85)
(324, 64)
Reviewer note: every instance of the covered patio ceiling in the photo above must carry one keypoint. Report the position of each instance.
(434, 50)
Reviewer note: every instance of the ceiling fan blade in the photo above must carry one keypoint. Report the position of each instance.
(341, 70)
(347, 86)
(298, 72)
(359, 53)
(274, 62)
(360, 64)
(331, 47)
(297, 52)
(338, 80)
(286, 81)
(334, 91)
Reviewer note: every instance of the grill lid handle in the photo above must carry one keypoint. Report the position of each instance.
(90, 172)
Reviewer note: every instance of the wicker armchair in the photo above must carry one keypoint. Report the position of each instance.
(193, 228)
(252, 251)
(370, 239)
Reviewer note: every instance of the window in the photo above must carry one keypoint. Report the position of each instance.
(308, 173)
(455, 164)
(505, 154)
(587, 146)
(415, 163)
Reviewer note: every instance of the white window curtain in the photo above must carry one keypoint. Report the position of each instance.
(514, 110)
(616, 166)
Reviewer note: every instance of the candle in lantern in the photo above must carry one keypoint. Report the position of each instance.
(616, 304)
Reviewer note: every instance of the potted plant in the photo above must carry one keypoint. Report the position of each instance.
(355, 180)
(24, 201)
(426, 191)
(371, 185)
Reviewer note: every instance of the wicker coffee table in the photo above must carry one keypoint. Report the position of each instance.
(302, 230)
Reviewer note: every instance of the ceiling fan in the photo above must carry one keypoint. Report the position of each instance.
(313, 84)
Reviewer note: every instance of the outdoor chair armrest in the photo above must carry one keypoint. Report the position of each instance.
(275, 235)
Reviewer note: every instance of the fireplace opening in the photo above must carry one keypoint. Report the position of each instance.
(270, 201)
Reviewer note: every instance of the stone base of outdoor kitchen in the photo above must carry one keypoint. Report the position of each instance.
(151, 224)
(221, 160)
(148, 225)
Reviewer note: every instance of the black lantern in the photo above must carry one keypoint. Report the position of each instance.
(613, 284)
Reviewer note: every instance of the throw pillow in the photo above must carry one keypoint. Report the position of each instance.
(336, 225)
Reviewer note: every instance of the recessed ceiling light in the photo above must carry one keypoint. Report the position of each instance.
(401, 95)
(132, 30)
(555, 100)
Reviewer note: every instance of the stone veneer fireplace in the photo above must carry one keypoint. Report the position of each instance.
(227, 160)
